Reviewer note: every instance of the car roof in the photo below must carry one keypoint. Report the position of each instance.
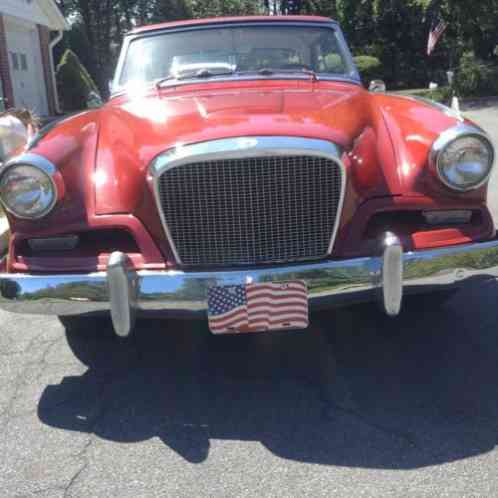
(221, 20)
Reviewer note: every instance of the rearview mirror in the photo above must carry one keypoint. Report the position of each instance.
(93, 101)
(377, 86)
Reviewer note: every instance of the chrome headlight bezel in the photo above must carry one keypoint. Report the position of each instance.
(44, 166)
(449, 137)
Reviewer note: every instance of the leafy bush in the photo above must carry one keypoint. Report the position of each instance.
(370, 68)
(74, 82)
(475, 77)
(333, 63)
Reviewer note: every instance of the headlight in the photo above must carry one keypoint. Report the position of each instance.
(27, 188)
(463, 157)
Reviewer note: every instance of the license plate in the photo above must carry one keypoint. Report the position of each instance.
(258, 307)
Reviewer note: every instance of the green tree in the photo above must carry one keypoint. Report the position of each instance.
(478, 27)
(213, 8)
(171, 10)
(74, 82)
(394, 31)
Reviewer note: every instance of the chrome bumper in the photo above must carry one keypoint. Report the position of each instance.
(126, 293)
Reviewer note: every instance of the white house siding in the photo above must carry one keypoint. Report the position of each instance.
(26, 67)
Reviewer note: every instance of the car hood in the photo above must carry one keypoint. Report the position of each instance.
(104, 155)
(133, 131)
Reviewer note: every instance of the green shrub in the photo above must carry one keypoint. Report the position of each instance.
(333, 63)
(74, 82)
(475, 78)
(370, 68)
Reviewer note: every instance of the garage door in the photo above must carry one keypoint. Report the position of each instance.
(26, 68)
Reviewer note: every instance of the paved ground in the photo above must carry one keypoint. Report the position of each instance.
(486, 114)
(351, 408)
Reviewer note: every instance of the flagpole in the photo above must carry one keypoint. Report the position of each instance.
(452, 85)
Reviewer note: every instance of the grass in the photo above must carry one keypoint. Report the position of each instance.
(441, 94)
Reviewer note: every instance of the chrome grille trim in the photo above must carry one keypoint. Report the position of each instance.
(246, 148)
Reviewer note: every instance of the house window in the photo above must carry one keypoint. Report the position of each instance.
(24, 62)
(15, 61)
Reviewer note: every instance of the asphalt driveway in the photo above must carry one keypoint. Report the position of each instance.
(352, 407)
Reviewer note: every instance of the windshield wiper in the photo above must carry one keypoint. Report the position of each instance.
(209, 73)
(159, 83)
(199, 73)
(268, 71)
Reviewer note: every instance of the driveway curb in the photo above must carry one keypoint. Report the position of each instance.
(471, 103)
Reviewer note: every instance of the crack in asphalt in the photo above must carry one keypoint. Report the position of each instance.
(28, 346)
(101, 403)
(331, 382)
(21, 379)
(41, 490)
(86, 462)
(334, 399)
(327, 369)
(333, 405)
(379, 428)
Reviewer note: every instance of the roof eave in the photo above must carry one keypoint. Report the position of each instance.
(54, 15)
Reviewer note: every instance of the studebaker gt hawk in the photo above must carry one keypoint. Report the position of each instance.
(240, 171)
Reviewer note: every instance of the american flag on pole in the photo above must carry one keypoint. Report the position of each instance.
(258, 307)
(437, 30)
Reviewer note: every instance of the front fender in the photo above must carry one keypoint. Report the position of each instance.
(71, 146)
(414, 126)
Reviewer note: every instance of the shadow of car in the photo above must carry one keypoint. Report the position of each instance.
(339, 394)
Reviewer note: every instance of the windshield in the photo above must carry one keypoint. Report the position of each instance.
(237, 49)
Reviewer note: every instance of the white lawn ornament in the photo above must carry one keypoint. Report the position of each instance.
(13, 135)
(455, 104)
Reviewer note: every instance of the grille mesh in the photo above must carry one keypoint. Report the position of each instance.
(251, 210)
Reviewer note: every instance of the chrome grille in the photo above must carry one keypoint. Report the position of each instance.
(251, 210)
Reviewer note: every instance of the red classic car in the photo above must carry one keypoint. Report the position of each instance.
(241, 172)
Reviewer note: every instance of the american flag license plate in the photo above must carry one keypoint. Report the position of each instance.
(238, 309)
